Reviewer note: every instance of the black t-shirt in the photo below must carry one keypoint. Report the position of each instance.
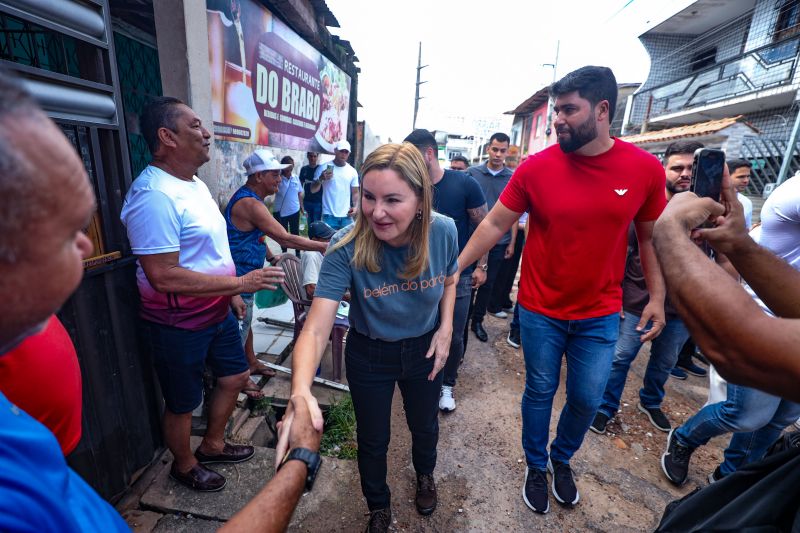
(634, 288)
(456, 192)
(306, 178)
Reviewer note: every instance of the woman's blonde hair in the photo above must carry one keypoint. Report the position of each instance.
(406, 160)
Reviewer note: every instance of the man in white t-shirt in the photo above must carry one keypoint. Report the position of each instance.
(740, 170)
(186, 280)
(339, 188)
(311, 260)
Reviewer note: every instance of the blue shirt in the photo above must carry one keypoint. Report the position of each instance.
(248, 254)
(38, 491)
(287, 201)
(384, 305)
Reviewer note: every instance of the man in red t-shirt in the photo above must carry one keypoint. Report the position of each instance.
(582, 195)
(49, 360)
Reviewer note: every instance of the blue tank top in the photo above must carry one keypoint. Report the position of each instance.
(248, 254)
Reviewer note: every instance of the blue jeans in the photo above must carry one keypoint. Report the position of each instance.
(336, 223)
(589, 347)
(663, 355)
(756, 417)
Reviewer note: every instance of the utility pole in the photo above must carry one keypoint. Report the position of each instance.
(417, 97)
(788, 155)
(549, 116)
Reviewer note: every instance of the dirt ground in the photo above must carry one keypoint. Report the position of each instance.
(481, 463)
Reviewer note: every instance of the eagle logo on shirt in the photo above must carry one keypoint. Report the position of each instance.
(621, 192)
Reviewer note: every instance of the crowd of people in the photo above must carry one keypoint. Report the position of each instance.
(606, 234)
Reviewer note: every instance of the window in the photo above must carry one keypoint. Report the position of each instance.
(537, 130)
(702, 59)
(788, 23)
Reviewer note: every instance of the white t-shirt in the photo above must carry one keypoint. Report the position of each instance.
(310, 261)
(747, 204)
(336, 192)
(780, 226)
(166, 214)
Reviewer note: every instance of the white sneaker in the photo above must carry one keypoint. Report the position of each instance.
(446, 401)
(499, 314)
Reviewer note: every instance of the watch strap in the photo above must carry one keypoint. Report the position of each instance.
(311, 459)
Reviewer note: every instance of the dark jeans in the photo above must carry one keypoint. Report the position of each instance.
(373, 369)
(313, 211)
(469, 314)
(686, 353)
(515, 319)
(501, 296)
(463, 295)
(485, 291)
(292, 225)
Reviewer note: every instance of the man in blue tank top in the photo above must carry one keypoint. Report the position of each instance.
(248, 219)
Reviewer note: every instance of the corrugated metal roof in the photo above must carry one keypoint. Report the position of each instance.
(532, 103)
(690, 130)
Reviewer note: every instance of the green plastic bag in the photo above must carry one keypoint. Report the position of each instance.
(266, 299)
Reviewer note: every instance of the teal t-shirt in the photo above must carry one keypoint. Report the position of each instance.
(384, 305)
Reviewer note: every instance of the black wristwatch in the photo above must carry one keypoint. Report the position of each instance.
(312, 460)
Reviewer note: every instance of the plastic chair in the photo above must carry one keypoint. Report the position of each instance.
(293, 287)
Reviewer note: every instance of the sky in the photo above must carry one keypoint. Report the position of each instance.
(483, 58)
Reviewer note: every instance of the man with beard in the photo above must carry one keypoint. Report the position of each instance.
(678, 161)
(582, 195)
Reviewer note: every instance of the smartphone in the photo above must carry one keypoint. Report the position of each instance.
(330, 168)
(707, 170)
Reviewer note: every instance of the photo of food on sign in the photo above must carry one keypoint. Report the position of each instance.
(269, 86)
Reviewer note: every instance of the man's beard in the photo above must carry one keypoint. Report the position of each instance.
(584, 134)
(674, 189)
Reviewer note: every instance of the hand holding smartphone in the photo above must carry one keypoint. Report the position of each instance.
(707, 170)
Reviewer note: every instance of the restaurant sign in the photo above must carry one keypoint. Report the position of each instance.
(269, 86)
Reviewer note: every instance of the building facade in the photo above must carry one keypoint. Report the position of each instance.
(92, 65)
(713, 60)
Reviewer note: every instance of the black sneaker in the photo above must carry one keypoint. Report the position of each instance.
(564, 488)
(716, 475)
(694, 370)
(379, 521)
(700, 357)
(657, 417)
(678, 373)
(675, 461)
(599, 423)
(514, 338)
(534, 490)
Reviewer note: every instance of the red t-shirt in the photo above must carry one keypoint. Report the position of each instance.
(580, 209)
(42, 377)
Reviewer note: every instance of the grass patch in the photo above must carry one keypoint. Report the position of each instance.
(339, 436)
